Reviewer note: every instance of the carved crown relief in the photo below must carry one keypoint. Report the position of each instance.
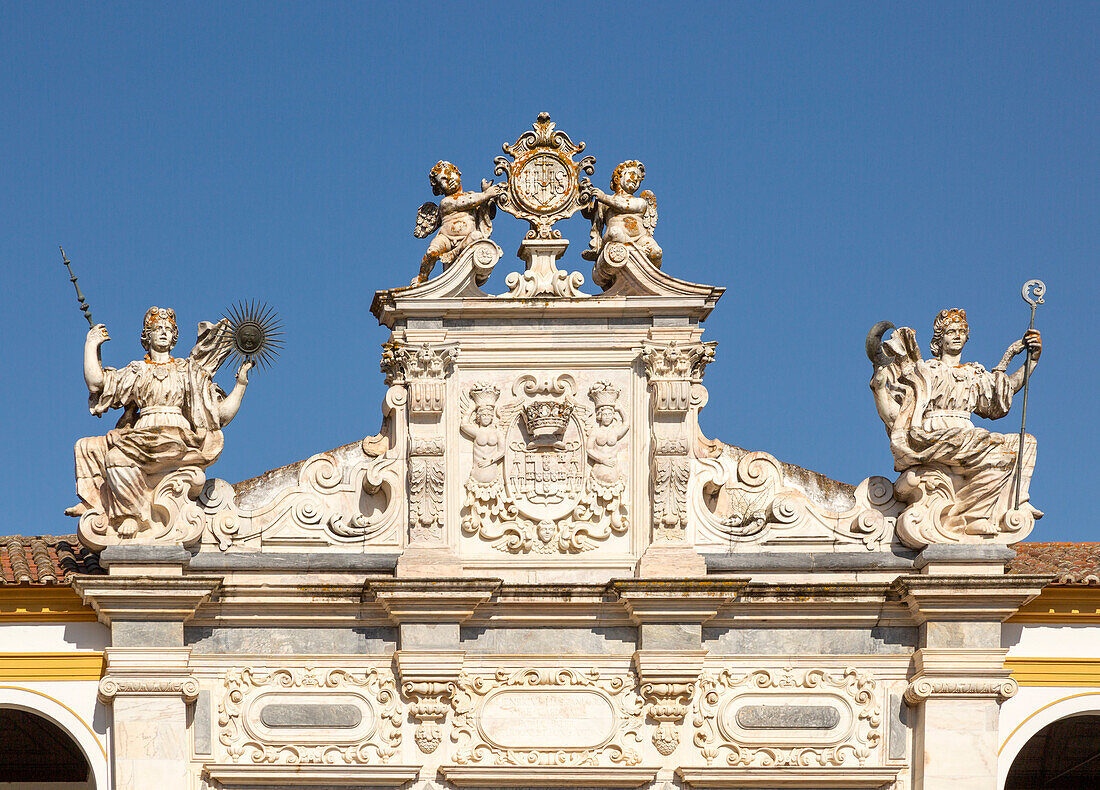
(545, 474)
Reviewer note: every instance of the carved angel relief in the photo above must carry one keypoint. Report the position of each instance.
(545, 475)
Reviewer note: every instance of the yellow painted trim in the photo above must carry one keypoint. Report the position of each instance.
(51, 666)
(1035, 713)
(79, 718)
(43, 605)
(1061, 605)
(1055, 671)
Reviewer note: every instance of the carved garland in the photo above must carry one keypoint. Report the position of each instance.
(241, 685)
(624, 721)
(854, 745)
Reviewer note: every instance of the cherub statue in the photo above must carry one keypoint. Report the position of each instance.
(957, 478)
(461, 217)
(605, 433)
(620, 216)
(173, 413)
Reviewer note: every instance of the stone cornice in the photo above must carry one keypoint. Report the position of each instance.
(959, 672)
(239, 775)
(547, 776)
(430, 600)
(849, 778)
(966, 598)
(147, 671)
(161, 598)
(675, 600)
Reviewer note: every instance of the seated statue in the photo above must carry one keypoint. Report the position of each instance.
(622, 217)
(958, 479)
(173, 413)
(461, 217)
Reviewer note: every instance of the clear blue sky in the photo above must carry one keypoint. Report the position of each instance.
(832, 164)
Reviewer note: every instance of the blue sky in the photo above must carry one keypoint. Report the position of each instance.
(832, 164)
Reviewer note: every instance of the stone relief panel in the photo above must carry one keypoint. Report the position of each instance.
(803, 718)
(741, 497)
(547, 470)
(306, 716)
(547, 717)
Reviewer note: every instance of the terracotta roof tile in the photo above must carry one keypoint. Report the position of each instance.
(44, 560)
(1071, 563)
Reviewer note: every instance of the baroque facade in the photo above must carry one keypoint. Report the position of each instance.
(540, 573)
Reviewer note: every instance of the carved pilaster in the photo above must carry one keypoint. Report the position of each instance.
(423, 370)
(672, 370)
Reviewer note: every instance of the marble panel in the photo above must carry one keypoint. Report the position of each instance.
(291, 641)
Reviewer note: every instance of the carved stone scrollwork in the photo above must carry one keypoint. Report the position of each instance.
(177, 517)
(744, 497)
(545, 476)
(518, 718)
(667, 704)
(430, 703)
(805, 718)
(111, 687)
(261, 715)
(422, 369)
(925, 688)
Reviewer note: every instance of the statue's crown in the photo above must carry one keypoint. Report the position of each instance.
(604, 393)
(484, 395)
(954, 314)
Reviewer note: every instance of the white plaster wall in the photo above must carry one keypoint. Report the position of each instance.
(72, 705)
(52, 637)
(1024, 640)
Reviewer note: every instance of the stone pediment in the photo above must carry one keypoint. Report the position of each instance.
(550, 431)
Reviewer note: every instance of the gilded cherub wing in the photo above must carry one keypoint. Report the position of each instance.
(427, 220)
(649, 218)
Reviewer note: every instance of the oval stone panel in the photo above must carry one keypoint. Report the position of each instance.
(547, 719)
(788, 717)
(321, 716)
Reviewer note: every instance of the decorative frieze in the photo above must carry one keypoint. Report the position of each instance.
(547, 717)
(302, 716)
(748, 717)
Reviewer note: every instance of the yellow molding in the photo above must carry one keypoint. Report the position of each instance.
(1055, 671)
(51, 666)
(1061, 605)
(43, 605)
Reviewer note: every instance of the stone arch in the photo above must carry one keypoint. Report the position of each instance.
(1084, 707)
(70, 724)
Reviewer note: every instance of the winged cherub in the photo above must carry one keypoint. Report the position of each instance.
(461, 217)
(620, 216)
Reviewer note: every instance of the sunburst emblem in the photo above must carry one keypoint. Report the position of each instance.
(252, 333)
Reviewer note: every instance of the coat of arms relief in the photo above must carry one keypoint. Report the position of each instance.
(546, 474)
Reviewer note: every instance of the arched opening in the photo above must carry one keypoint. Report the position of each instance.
(36, 754)
(1064, 755)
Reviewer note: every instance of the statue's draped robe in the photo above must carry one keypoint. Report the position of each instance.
(934, 429)
(170, 421)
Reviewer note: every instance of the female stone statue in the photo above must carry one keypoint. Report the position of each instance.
(957, 477)
(479, 425)
(605, 434)
(173, 413)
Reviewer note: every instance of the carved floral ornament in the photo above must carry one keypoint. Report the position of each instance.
(264, 717)
(545, 471)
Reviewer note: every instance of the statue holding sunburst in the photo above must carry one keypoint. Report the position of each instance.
(139, 481)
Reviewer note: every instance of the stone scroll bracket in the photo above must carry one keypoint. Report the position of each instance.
(428, 680)
(674, 371)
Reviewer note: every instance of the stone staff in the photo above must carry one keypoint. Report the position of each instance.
(1032, 293)
(84, 306)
